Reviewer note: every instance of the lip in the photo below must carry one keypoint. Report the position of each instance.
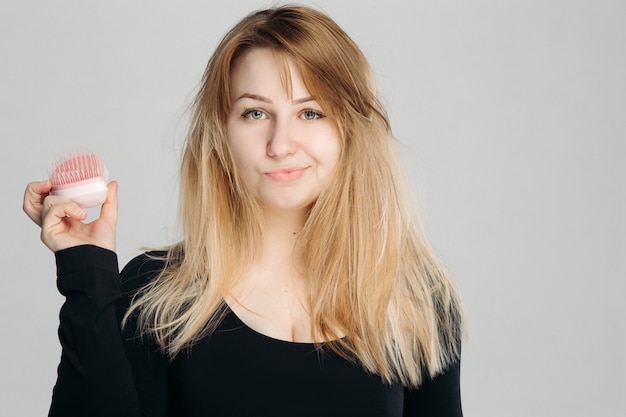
(286, 174)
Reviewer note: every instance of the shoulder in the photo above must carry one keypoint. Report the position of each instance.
(437, 395)
(141, 270)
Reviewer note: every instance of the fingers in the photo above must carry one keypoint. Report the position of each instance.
(59, 216)
(61, 207)
(34, 196)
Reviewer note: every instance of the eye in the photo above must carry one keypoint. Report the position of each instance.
(311, 115)
(254, 114)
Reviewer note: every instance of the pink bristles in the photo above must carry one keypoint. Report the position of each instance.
(77, 168)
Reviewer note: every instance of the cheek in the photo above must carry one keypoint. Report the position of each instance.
(329, 151)
(237, 145)
(237, 151)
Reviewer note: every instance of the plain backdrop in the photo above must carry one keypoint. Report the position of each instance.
(510, 117)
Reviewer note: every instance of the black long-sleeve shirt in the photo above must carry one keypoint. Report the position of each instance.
(235, 371)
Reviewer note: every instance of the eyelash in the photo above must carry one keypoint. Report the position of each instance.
(247, 112)
(318, 115)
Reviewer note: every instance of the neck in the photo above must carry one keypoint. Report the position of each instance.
(281, 230)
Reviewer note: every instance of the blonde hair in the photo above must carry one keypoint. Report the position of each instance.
(372, 276)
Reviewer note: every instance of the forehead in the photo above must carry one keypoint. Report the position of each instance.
(265, 72)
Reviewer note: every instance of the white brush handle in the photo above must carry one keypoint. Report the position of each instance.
(88, 195)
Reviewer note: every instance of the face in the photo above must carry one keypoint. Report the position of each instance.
(285, 148)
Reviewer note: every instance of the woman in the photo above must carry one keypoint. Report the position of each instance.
(302, 285)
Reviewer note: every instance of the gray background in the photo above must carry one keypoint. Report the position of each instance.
(510, 116)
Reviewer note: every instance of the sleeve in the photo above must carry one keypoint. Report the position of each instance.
(100, 372)
(439, 396)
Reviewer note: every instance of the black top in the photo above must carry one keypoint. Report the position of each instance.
(235, 371)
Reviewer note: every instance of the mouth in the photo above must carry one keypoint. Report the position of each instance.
(286, 174)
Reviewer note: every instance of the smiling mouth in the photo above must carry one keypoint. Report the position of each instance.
(286, 174)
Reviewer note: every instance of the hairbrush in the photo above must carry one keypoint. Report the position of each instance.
(80, 177)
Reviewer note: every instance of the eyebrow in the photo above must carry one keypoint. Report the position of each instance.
(267, 100)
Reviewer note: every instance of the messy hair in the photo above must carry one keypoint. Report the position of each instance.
(377, 292)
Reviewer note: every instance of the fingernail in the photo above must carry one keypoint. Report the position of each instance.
(79, 212)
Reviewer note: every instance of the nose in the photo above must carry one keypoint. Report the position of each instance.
(281, 143)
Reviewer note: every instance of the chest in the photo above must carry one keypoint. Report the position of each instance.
(274, 302)
(238, 372)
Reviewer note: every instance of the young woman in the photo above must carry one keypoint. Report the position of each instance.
(302, 285)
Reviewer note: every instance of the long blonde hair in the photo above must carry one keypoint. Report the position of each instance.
(372, 276)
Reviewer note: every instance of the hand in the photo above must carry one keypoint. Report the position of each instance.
(61, 220)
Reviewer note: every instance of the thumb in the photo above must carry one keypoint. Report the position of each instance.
(108, 211)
